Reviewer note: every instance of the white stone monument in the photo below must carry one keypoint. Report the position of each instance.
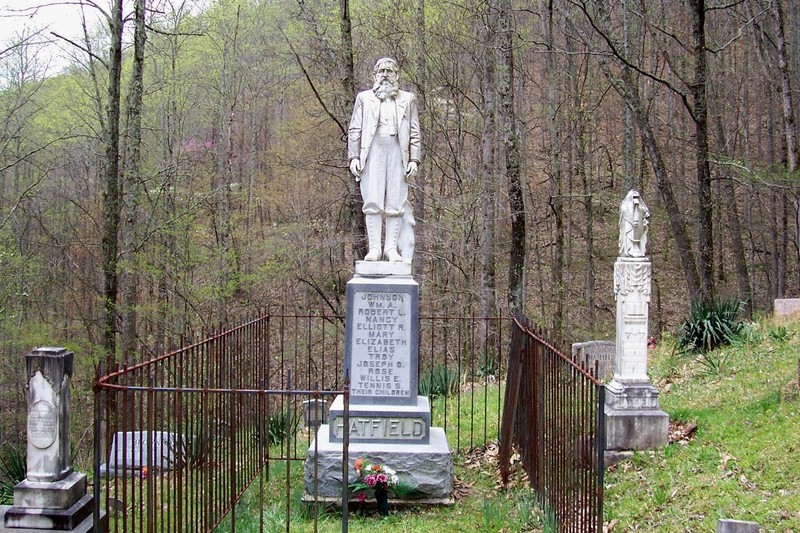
(634, 420)
(52, 496)
(388, 422)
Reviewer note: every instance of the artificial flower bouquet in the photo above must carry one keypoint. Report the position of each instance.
(373, 476)
(377, 477)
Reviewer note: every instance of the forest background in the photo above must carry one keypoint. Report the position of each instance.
(188, 168)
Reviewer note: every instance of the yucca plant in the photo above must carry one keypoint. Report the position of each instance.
(281, 424)
(711, 325)
(13, 469)
(439, 381)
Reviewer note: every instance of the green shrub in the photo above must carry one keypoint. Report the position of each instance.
(439, 381)
(710, 326)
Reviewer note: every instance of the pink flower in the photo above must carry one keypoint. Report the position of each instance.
(361, 497)
(382, 478)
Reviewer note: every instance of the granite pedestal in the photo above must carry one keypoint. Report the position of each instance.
(387, 422)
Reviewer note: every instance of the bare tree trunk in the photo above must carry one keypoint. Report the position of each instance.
(354, 203)
(625, 86)
(556, 197)
(787, 105)
(131, 170)
(745, 292)
(579, 142)
(488, 137)
(700, 116)
(508, 121)
(421, 195)
(223, 177)
(628, 144)
(111, 192)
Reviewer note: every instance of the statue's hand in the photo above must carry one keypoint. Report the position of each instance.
(411, 169)
(355, 168)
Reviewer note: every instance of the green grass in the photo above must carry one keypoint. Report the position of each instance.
(481, 505)
(743, 461)
(485, 508)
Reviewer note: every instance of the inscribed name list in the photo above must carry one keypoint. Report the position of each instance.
(381, 344)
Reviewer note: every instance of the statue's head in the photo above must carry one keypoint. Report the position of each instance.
(386, 76)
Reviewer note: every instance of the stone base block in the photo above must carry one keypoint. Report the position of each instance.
(87, 526)
(429, 467)
(53, 519)
(635, 396)
(382, 268)
(60, 494)
(388, 424)
(633, 418)
(639, 430)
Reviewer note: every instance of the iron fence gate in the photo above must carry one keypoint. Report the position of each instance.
(181, 437)
(553, 415)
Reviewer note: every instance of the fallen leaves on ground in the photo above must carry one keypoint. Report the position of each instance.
(681, 432)
(461, 488)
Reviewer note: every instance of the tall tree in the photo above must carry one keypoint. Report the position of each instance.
(699, 113)
(357, 222)
(488, 164)
(111, 191)
(133, 179)
(556, 171)
(790, 134)
(510, 138)
(624, 82)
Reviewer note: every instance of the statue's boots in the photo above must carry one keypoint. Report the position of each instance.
(392, 232)
(374, 223)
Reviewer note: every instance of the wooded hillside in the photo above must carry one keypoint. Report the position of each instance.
(189, 167)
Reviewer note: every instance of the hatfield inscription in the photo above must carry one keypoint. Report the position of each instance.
(381, 344)
(381, 428)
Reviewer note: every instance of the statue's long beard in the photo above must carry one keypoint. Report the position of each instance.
(384, 88)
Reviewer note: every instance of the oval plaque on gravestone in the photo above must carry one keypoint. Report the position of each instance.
(42, 424)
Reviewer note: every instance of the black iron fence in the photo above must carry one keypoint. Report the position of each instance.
(186, 434)
(553, 416)
(180, 438)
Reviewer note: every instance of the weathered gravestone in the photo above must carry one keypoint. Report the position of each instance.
(52, 496)
(787, 307)
(133, 450)
(602, 353)
(737, 526)
(313, 412)
(634, 420)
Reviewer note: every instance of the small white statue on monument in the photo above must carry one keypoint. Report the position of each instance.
(634, 219)
(384, 146)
